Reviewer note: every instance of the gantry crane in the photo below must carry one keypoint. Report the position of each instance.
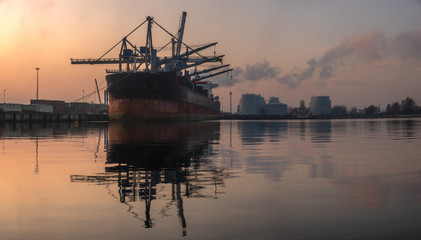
(145, 58)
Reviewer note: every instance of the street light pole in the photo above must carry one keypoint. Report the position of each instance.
(37, 82)
(231, 102)
(4, 96)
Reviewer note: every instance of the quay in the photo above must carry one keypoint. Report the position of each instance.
(53, 111)
(49, 117)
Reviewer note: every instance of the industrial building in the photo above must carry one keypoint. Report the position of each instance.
(320, 105)
(11, 107)
(275, 107)
(252, 104)
(58, 106)
(15, 107)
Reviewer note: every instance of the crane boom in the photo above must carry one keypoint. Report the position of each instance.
(180, 33)
(197, 63)
(167, 60)
(93, 61)
(212, 75)
(208, 70)
(97, 89)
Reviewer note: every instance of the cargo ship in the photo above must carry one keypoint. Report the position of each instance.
(148, 86)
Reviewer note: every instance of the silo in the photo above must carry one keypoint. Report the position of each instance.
(252, 104)
(274, 107)
(320, 105)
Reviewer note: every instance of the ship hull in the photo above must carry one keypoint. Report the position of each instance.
(156, 96)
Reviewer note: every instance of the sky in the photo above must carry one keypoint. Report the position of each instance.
(359, 52)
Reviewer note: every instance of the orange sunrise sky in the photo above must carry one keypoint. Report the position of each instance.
(357, 52)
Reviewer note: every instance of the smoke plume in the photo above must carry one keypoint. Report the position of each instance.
(370, 47)
(350, 51)
(260, 71)
(294, 79)
(408, 45)
(254, 72)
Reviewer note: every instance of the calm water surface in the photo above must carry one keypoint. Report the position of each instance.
(330, 179)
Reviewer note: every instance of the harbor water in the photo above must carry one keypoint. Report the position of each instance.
(275, 179)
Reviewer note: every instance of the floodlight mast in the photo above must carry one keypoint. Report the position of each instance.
(37, 81)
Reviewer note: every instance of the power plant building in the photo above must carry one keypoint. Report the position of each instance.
(274, 107)
(320, 105)
(252, 104)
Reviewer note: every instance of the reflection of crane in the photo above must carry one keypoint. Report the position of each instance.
(179, 201)
(137, 185)
(143, 183)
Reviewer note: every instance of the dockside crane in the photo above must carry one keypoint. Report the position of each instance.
(180, 33)
(145, 58)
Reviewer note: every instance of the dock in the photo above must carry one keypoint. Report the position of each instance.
(50, 117)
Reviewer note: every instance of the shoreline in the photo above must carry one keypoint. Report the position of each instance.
(52, 117)
(255, 117)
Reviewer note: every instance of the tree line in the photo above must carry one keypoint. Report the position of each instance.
(405, 107)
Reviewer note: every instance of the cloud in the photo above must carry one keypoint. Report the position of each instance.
(369, 47)
(372, 47)
(255, 72)
(230, 81)
(407, 45)
(354, 50)
(260, 71)
(295, 79)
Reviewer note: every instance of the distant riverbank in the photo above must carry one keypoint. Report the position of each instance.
(256, 117)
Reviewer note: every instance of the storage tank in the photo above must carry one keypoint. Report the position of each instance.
(252, 104)
(275, 107)
(320, 105)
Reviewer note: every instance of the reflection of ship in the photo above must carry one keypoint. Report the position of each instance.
(153, 87)
(152, 145)
(157, 161)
